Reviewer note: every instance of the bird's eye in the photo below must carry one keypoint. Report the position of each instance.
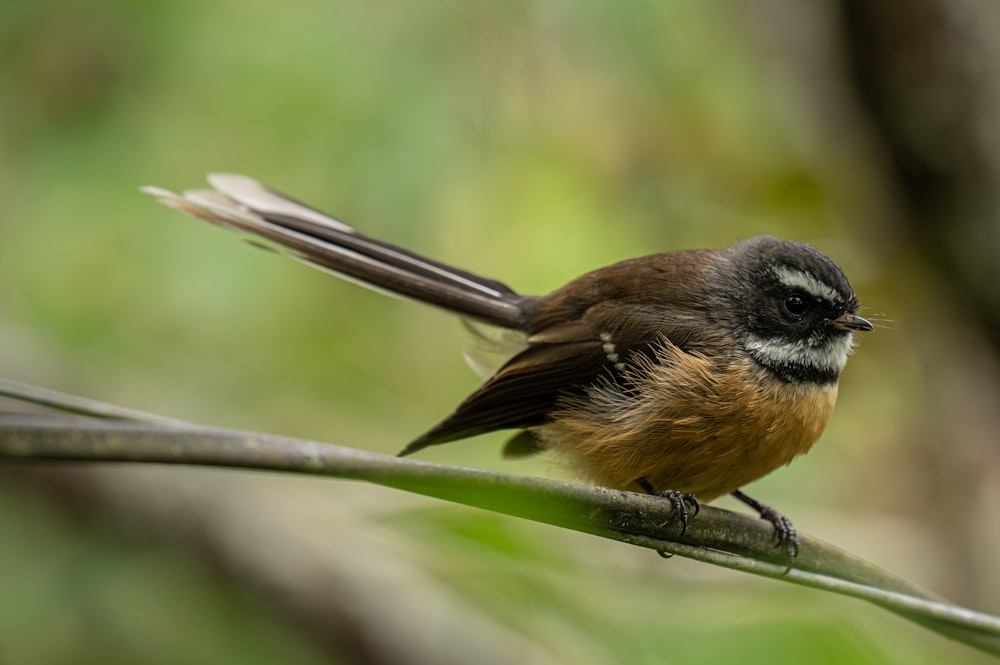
(796, 304)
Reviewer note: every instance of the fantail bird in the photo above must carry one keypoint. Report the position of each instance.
(685, 374)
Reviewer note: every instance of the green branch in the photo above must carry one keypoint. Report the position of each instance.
(99, 432)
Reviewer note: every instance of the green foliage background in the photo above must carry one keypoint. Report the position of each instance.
(526, 141)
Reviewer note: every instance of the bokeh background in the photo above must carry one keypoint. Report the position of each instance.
(529, 141)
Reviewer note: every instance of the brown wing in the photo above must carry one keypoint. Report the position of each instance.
(585, 332)
(561, 361)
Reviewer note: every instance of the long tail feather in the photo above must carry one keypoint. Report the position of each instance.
(310, 236)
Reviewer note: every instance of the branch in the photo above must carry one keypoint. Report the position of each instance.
(99, 432)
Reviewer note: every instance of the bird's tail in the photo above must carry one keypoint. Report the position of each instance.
(310, 236)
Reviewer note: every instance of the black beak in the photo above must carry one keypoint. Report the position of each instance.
(852, 323)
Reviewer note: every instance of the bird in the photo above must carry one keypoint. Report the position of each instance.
(686, 374)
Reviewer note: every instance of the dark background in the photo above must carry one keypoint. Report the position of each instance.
(529, 141)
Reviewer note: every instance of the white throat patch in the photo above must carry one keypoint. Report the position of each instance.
(829, 356)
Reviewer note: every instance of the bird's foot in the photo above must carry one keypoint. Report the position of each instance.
(786, 534)
(685, 506)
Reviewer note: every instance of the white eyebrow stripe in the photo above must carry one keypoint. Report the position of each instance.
(796, 279)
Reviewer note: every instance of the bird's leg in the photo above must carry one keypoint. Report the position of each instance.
(684, 505)
(787, 535)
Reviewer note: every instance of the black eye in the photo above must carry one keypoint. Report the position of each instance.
(796, 304)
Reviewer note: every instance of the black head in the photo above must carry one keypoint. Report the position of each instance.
(790, 307)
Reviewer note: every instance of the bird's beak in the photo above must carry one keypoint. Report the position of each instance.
(852, 323)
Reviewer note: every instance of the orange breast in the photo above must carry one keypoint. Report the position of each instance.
(694, 425)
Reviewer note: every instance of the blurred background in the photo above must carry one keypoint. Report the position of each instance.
(529, 141)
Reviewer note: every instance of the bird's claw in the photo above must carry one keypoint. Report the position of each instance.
(684, 505)
(785, 532)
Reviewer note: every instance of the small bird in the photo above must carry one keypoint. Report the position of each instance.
(684, 374)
